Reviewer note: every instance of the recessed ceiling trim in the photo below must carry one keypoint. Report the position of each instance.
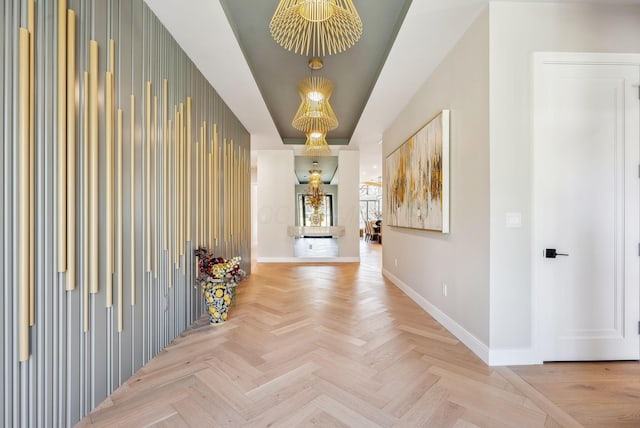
(330, 141)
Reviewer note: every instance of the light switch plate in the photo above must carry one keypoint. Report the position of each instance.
(513, 220)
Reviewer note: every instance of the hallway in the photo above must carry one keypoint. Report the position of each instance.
(331, 345)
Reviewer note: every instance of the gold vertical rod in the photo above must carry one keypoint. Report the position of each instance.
(188, 175)
(235, 197)
(227, 195)
(204, 141)
(240, 195)
(132, 197)
(201, 188)
(108, 223)
(244, 194)
(165, 103)
(71, 150)
(112, 56)
(178, 182)
(85, 202)
(225, 192)
(181, 178)
(171, 194)
(176, 140)
(203, 185)
(216, 185)
(232, 192)
(231, 196)
(119, 221)
(62, 136)
(31, 26)
(196, 151)
(23, 203)
(243, 191)
(239, 200)
(147, 165)
(198, 185)
(211, 189)
(213, 202)
(201, 182)
(204, 149)
(247, 197)
(210, 179)
(223, 176)
(154, 185)
(93, 166)
(229, 220)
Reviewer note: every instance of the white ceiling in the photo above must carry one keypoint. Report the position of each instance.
(202, 29)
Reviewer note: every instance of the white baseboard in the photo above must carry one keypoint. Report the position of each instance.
(308, 260)
(513, 357)
(472, 342)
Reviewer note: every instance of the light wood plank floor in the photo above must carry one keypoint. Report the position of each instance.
(339, 346)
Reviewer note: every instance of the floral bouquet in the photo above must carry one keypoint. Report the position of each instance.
(218, 278)
(220, 268)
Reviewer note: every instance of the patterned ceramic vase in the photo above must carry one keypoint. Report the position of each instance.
(218, 296)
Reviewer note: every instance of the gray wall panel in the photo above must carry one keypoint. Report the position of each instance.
(71, 371)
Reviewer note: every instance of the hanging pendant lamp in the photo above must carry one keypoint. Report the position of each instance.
(315, 112)
(316, 144)
(316, 27)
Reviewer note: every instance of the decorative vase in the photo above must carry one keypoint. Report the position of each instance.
(219, 296)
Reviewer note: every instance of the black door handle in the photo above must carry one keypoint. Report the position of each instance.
(551, 253)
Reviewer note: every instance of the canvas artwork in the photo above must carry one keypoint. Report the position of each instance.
(416, 175)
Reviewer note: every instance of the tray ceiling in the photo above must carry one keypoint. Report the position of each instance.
(277, 71)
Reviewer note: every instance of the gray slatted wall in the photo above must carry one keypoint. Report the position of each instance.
(70, 371)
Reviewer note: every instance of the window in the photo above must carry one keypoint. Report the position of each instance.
(305, 211)
(369, 210)
(370, 202)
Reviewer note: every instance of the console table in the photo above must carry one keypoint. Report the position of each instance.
(315, 231)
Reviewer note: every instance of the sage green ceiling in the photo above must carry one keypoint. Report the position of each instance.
(328, 165)
(277, 71)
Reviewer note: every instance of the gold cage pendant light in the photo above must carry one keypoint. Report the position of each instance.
(316, 27)
(316, 144)
(315, 112)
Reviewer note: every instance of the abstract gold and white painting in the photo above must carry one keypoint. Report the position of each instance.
(416, 178)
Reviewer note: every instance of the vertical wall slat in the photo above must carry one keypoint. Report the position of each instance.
(73, 366)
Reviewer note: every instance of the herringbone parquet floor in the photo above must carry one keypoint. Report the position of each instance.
(326, 346)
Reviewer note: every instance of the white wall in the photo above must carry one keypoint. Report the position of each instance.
(349, 203)
(516, 31)
(461, 259)
(275, 204)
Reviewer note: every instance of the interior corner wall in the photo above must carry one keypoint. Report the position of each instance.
(421, 261)
(69, 371)
(349, 204)
(517, 30)
(276, 204)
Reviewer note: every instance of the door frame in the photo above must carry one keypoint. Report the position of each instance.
(540, 60)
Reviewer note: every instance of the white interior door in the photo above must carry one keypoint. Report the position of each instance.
(586, 205)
